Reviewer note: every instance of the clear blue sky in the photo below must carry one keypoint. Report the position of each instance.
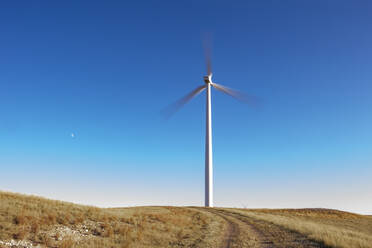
(104, 70)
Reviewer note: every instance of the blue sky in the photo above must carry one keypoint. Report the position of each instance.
(105, 70)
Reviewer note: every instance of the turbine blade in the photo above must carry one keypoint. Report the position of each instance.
(173, 108)
(207, 41)
(252, 100)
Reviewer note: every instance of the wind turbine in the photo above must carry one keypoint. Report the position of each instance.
(208, 132)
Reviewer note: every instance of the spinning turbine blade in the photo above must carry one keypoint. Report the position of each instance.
(173, 108)
(208, 53)
(236, 94)
(208, 62)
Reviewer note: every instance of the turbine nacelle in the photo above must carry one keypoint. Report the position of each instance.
(208, 79)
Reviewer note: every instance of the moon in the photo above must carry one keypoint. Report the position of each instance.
(72, 135)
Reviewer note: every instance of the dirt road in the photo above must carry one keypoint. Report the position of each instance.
(244, 231)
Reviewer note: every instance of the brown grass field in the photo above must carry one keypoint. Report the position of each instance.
(30, 221)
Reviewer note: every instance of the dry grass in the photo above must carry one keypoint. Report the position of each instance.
(333, 228)
(34, 220)
(52, 223)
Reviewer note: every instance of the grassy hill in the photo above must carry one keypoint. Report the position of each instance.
(29, 221)
(52, 223)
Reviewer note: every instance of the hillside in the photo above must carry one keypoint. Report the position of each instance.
(29, 221)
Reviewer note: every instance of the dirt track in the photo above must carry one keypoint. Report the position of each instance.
(243, 231)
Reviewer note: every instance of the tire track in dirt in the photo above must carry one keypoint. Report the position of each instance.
(259, 233)
(232, 231)
(237, 234)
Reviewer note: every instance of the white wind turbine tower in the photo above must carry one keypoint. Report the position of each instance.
(208, 132)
